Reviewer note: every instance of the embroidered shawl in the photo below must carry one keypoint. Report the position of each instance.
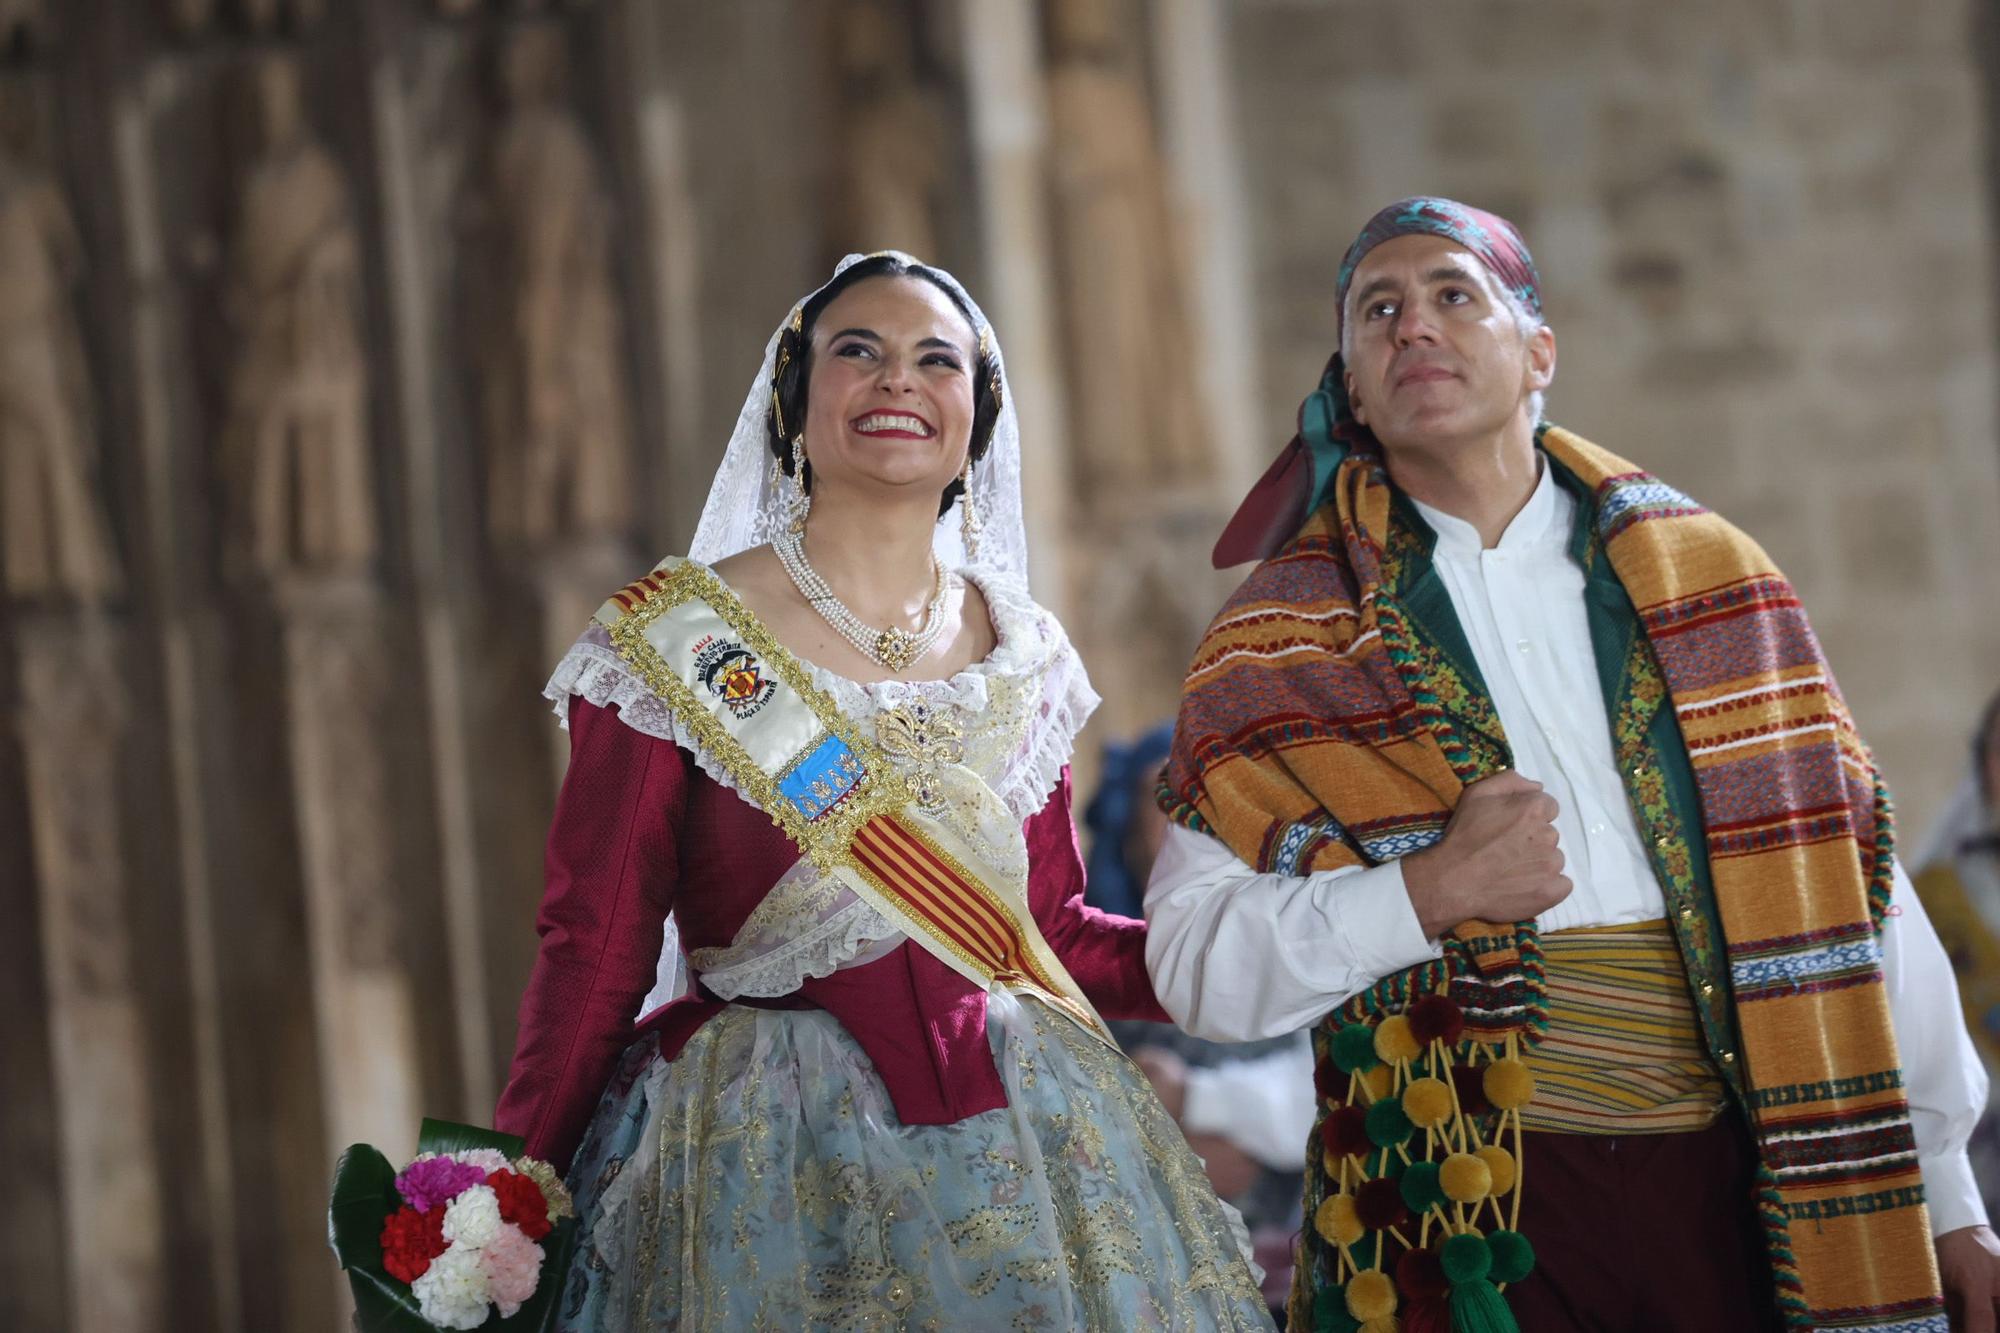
(1313, 735)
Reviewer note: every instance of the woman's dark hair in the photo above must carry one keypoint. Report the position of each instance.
(795, 367)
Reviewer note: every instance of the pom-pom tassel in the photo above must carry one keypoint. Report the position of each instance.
(1478, 1307)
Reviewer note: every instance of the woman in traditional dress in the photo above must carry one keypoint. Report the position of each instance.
(833, 743)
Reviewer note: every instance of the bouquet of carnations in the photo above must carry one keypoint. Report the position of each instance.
(468, 1229)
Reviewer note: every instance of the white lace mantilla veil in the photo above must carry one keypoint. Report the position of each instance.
(744, 510)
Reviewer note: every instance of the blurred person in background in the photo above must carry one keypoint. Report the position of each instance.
(833, 743)
(1957, 873)
(1246, 1107)
(1526, 772)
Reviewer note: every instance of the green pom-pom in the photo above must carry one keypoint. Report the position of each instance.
(1330, 1312)
(1387, 1124)
(1421, 1189)
(1466, 1258)
(1513, 1256)
(1477, 1308)
(1354, 1049)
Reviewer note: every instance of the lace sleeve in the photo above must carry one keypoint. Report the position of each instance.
(1058, 696)
(592, 671)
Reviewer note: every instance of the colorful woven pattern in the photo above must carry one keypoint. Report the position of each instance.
(1624, 1052)
(1308, 707)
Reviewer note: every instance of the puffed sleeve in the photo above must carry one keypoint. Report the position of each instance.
(611, 867)
(1105, 953)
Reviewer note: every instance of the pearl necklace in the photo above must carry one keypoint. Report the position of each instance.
(894, 648)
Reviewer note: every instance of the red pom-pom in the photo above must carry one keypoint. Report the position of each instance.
(1379, 1204)
(1434, 1018)
(1420, 1273)
(1328, 1081)
(410, 1240)
(1346, 1132)
(1470, 1080)
(521, 1202)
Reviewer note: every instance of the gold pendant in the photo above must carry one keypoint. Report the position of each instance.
(895, 648)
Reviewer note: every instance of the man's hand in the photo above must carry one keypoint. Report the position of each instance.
(1497, 861)
(1969, 1263)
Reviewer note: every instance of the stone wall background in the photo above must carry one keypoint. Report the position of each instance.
(1766, 238)
(270, 830)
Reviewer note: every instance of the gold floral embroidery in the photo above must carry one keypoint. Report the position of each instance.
(927, 738)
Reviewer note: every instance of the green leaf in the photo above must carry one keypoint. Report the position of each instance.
(364, 1194)
(443, 1136)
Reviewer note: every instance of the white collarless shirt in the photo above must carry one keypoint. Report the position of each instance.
(1238, 956)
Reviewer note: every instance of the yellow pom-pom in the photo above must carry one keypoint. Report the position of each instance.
(1371, 1295)
(1508, 1084)
(1331, 1160)
(1379, 1081)
(1464, 1178)
(1499, 1165)
(1394, 1041)
(1388, 1323)
(1427, 1101)
(1338, 1220)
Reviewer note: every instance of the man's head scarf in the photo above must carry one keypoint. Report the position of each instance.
(1296, 483)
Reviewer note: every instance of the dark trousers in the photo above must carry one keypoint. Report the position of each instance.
(1644, 1233)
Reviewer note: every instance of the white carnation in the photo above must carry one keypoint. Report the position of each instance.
(486, 1159)
(452, 1293)
(473, 1217)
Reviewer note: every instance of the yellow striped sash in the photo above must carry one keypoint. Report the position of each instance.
(1624, 1052)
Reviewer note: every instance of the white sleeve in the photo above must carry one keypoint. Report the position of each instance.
(1942, 1074)
(1264, 1106)
(1239, 956)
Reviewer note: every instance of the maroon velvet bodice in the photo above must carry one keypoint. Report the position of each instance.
(640, 831)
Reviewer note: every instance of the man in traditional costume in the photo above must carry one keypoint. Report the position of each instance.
(1524, 775)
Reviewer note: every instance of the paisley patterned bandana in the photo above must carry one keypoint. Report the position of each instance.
(1300, 479)
(1493, 239)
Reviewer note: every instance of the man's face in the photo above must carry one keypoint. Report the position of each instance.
(1434, 352)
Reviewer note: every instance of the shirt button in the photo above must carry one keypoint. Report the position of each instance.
(1729, 1057)
(1524, 645)
(1687, 914)
(1597, 828)
(1707, 989)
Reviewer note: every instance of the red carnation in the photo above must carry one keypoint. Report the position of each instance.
(410, 1240)
(521, 1202)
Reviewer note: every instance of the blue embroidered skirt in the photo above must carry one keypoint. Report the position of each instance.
(761, 1180)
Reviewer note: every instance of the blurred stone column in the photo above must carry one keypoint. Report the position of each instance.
(339, 686)
(73, 720)
(1006, 94)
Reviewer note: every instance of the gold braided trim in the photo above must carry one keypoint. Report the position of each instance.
(824, 841)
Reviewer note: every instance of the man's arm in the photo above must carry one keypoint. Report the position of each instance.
(1239, 956)
(1942, 1074)
(1946, 1087)
(1236, 955)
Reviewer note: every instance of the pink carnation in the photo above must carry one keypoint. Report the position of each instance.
(513, 1266)
(430, 1181)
